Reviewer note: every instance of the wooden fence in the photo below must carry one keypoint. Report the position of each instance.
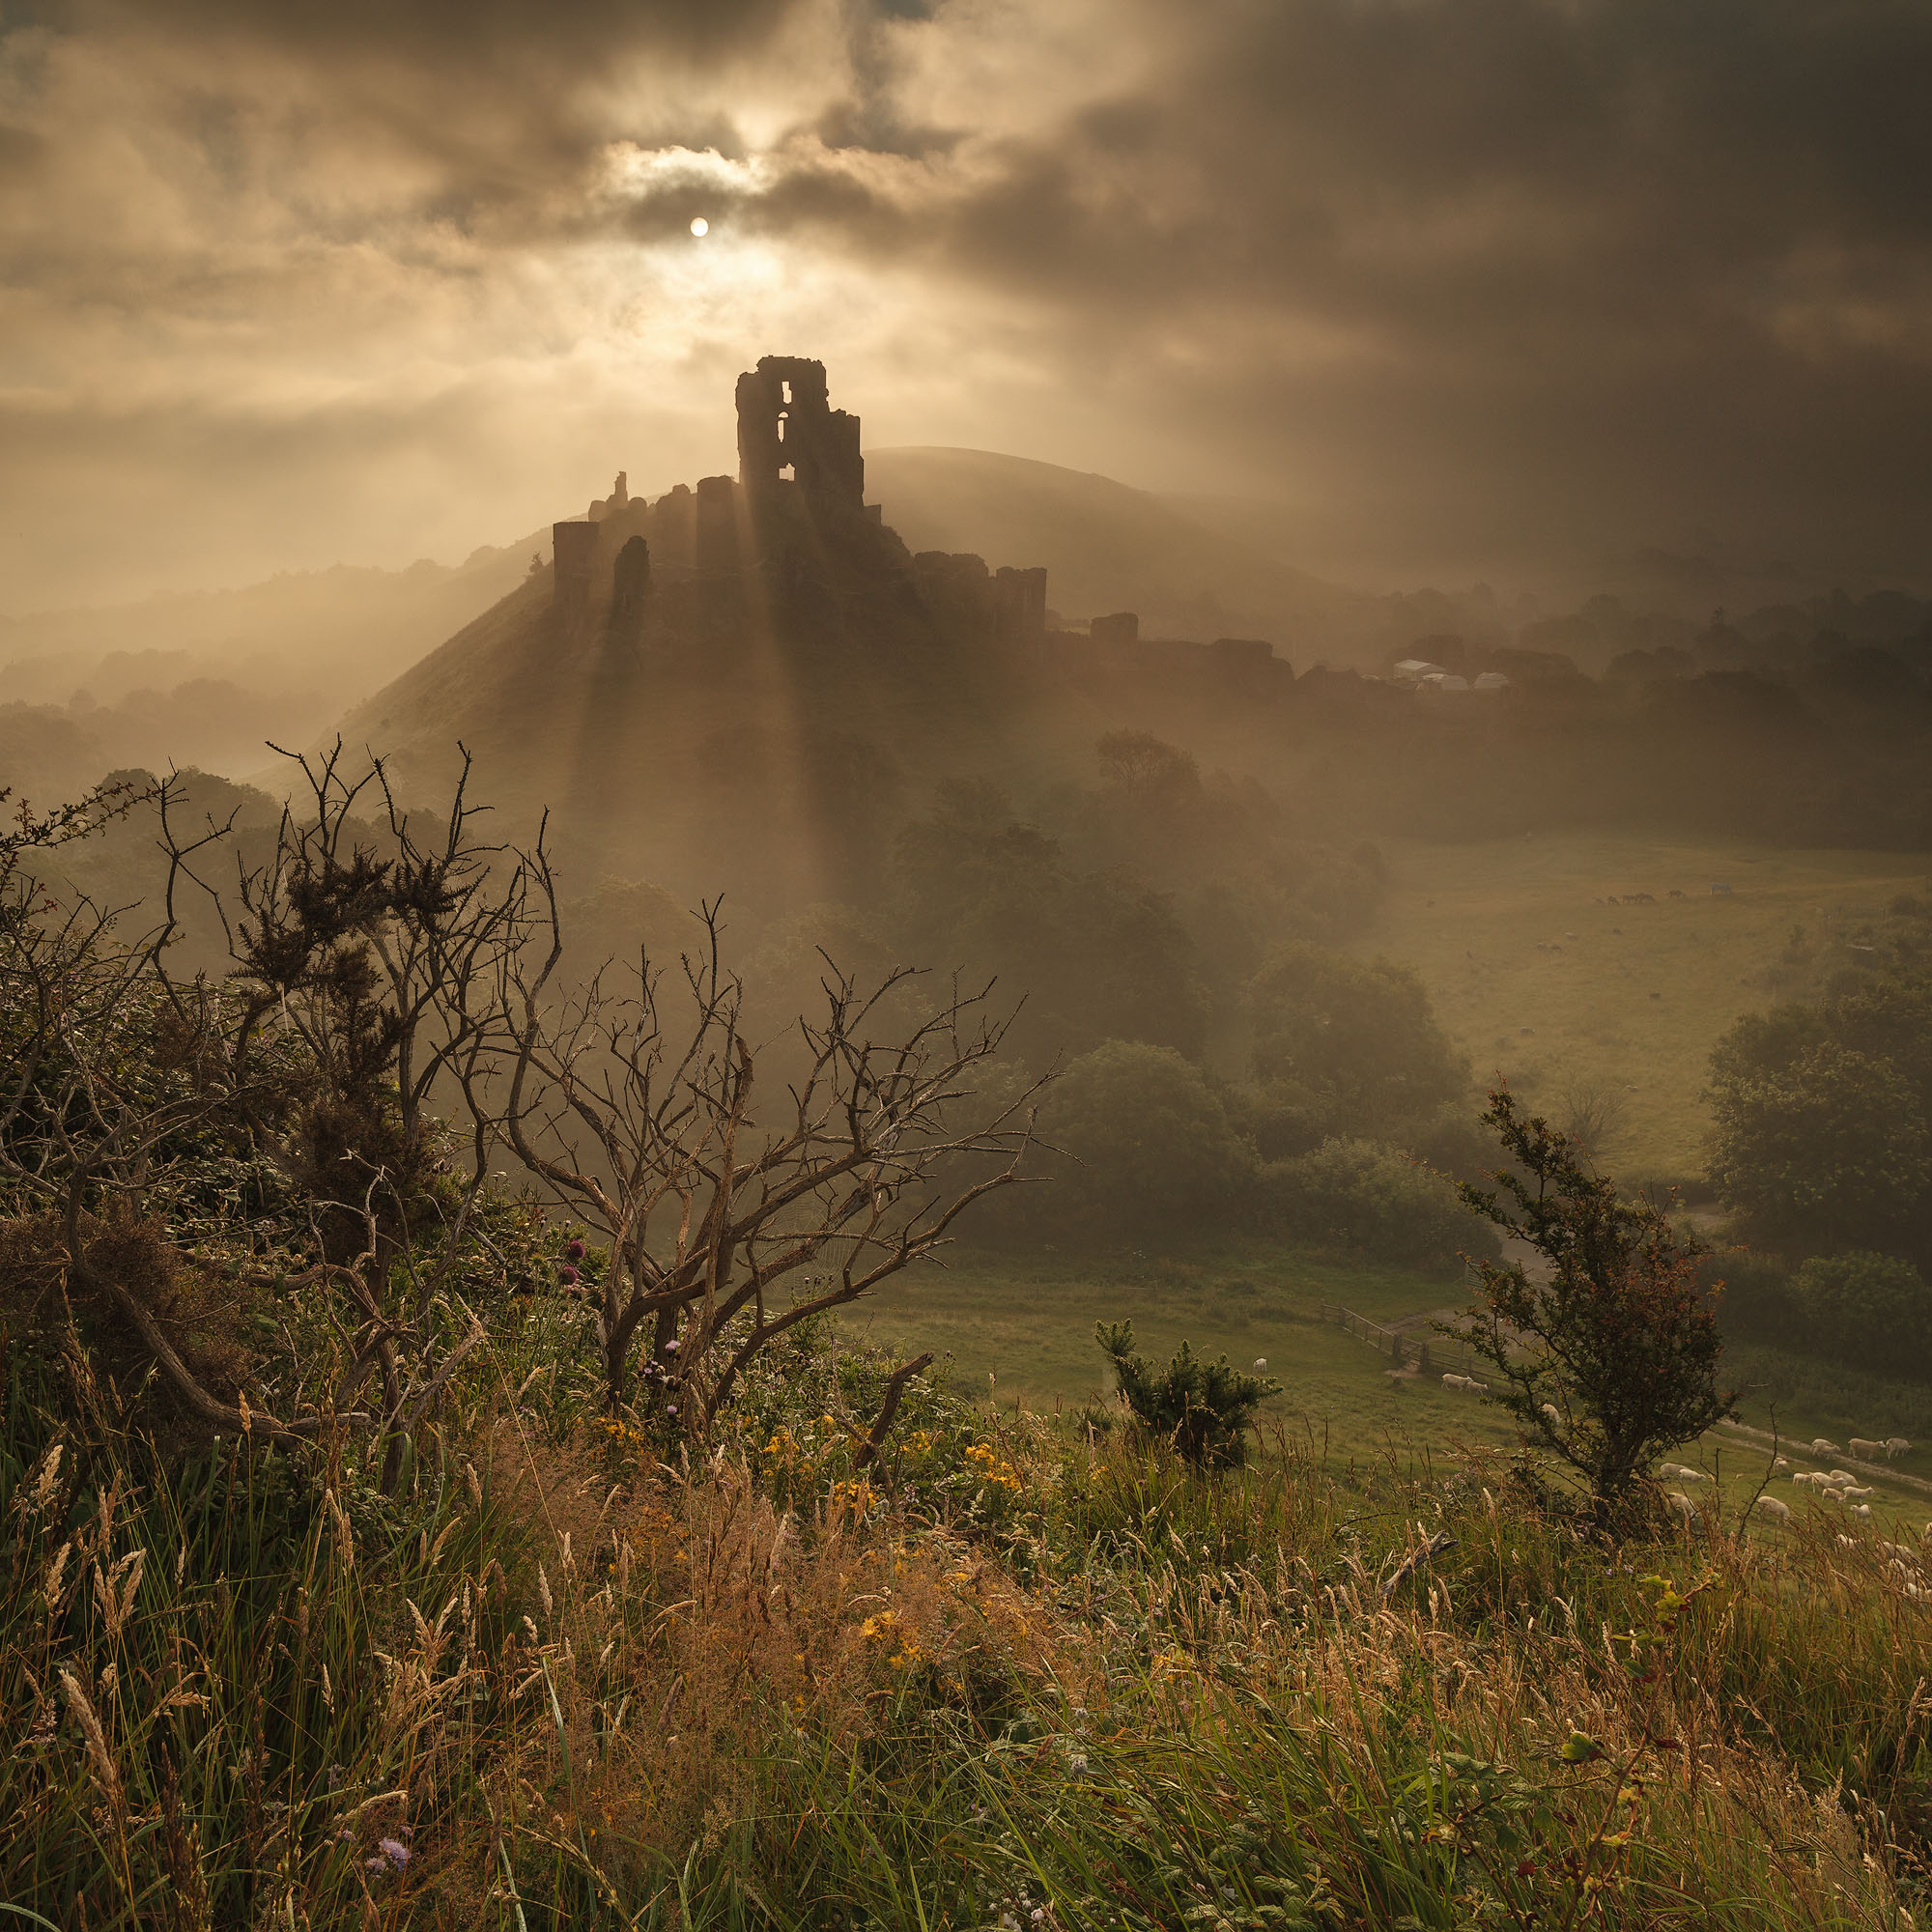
(1430, 1352)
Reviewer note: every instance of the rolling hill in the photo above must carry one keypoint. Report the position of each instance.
(1107, 546)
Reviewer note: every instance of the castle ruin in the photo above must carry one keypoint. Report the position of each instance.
(794, 522)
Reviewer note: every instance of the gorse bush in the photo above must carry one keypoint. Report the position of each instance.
(1203, 1411)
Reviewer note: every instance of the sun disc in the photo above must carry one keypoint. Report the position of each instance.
(700, 226)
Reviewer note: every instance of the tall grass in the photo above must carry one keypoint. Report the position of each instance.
(1061, 1680)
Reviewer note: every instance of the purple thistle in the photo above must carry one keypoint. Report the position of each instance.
(395, 1851)
(566, 1274)
(670, 1347)
(575, 1251)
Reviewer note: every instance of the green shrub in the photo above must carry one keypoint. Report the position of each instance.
(1868, 1311)
(1363, 1196)
(1203, 1409)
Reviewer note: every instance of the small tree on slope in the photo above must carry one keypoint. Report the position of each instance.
(1613, 1359)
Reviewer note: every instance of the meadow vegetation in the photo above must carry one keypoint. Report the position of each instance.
(438, 1489)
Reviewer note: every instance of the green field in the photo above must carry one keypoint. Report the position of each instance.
(1019, 1329)
(1638, 994)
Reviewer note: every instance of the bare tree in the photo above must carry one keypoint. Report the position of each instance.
(641, 1111)
(1595, 1117)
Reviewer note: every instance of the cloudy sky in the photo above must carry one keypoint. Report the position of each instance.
(1449, 279)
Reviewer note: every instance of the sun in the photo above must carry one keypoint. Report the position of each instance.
(699, 226)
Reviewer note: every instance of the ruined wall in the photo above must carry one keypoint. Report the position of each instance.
(1019, 602)
(716, 532)
(785, 421)
(630, 590)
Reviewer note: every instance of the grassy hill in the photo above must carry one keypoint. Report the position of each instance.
(1537, 981)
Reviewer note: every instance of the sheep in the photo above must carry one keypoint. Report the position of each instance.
(1862, 1446)
(1260, 1365)
(1899, 1553)
(1456, 1382)
(1781, 1463)
(1895, 1445)
(1863, 1510)
(1842, 1477)
(1682, 1503)
(1681, 1472)
(1849, 1489)
(1554, 1414)
(1821, 1447)
(1773, 1507)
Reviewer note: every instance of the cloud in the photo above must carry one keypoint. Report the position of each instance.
(1456, 279)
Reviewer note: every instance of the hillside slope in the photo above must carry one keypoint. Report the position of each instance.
(1107, 548)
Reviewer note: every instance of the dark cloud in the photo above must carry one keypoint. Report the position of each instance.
(1456, 277)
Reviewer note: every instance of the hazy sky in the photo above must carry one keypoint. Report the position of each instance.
(287, 281)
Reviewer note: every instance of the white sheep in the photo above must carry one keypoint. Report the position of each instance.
(1895, 1445)
(1771, 1505)
(1810, 1477)
(1863, 1446)
(1850, 1489)
(1554, 1414)
(1682, 1503)
(1681, 1472)
(1821, 1447)
(1843, 1478)
(1781, 1463)
(1863, 1510)
(1260, 1365)
(1900, 1553)
(1456, 1382)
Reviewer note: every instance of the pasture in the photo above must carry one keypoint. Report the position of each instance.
(1536, 978)
(1018, 1329)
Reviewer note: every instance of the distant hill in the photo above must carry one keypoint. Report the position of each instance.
(202, 677)
(1108, 548)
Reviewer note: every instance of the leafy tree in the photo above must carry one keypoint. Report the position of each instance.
(1149, 771)
(1097, 955)
(1613, 1358)
(1149, 1144)
(1818, 1145)
(1349, 1047)
(1868, 1311)
(1204, 1410)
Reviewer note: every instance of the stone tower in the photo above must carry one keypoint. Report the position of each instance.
(785, 423)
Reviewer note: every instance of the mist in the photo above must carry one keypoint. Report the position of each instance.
(1500, 293)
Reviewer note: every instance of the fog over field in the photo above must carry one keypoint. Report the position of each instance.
(966, 965)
